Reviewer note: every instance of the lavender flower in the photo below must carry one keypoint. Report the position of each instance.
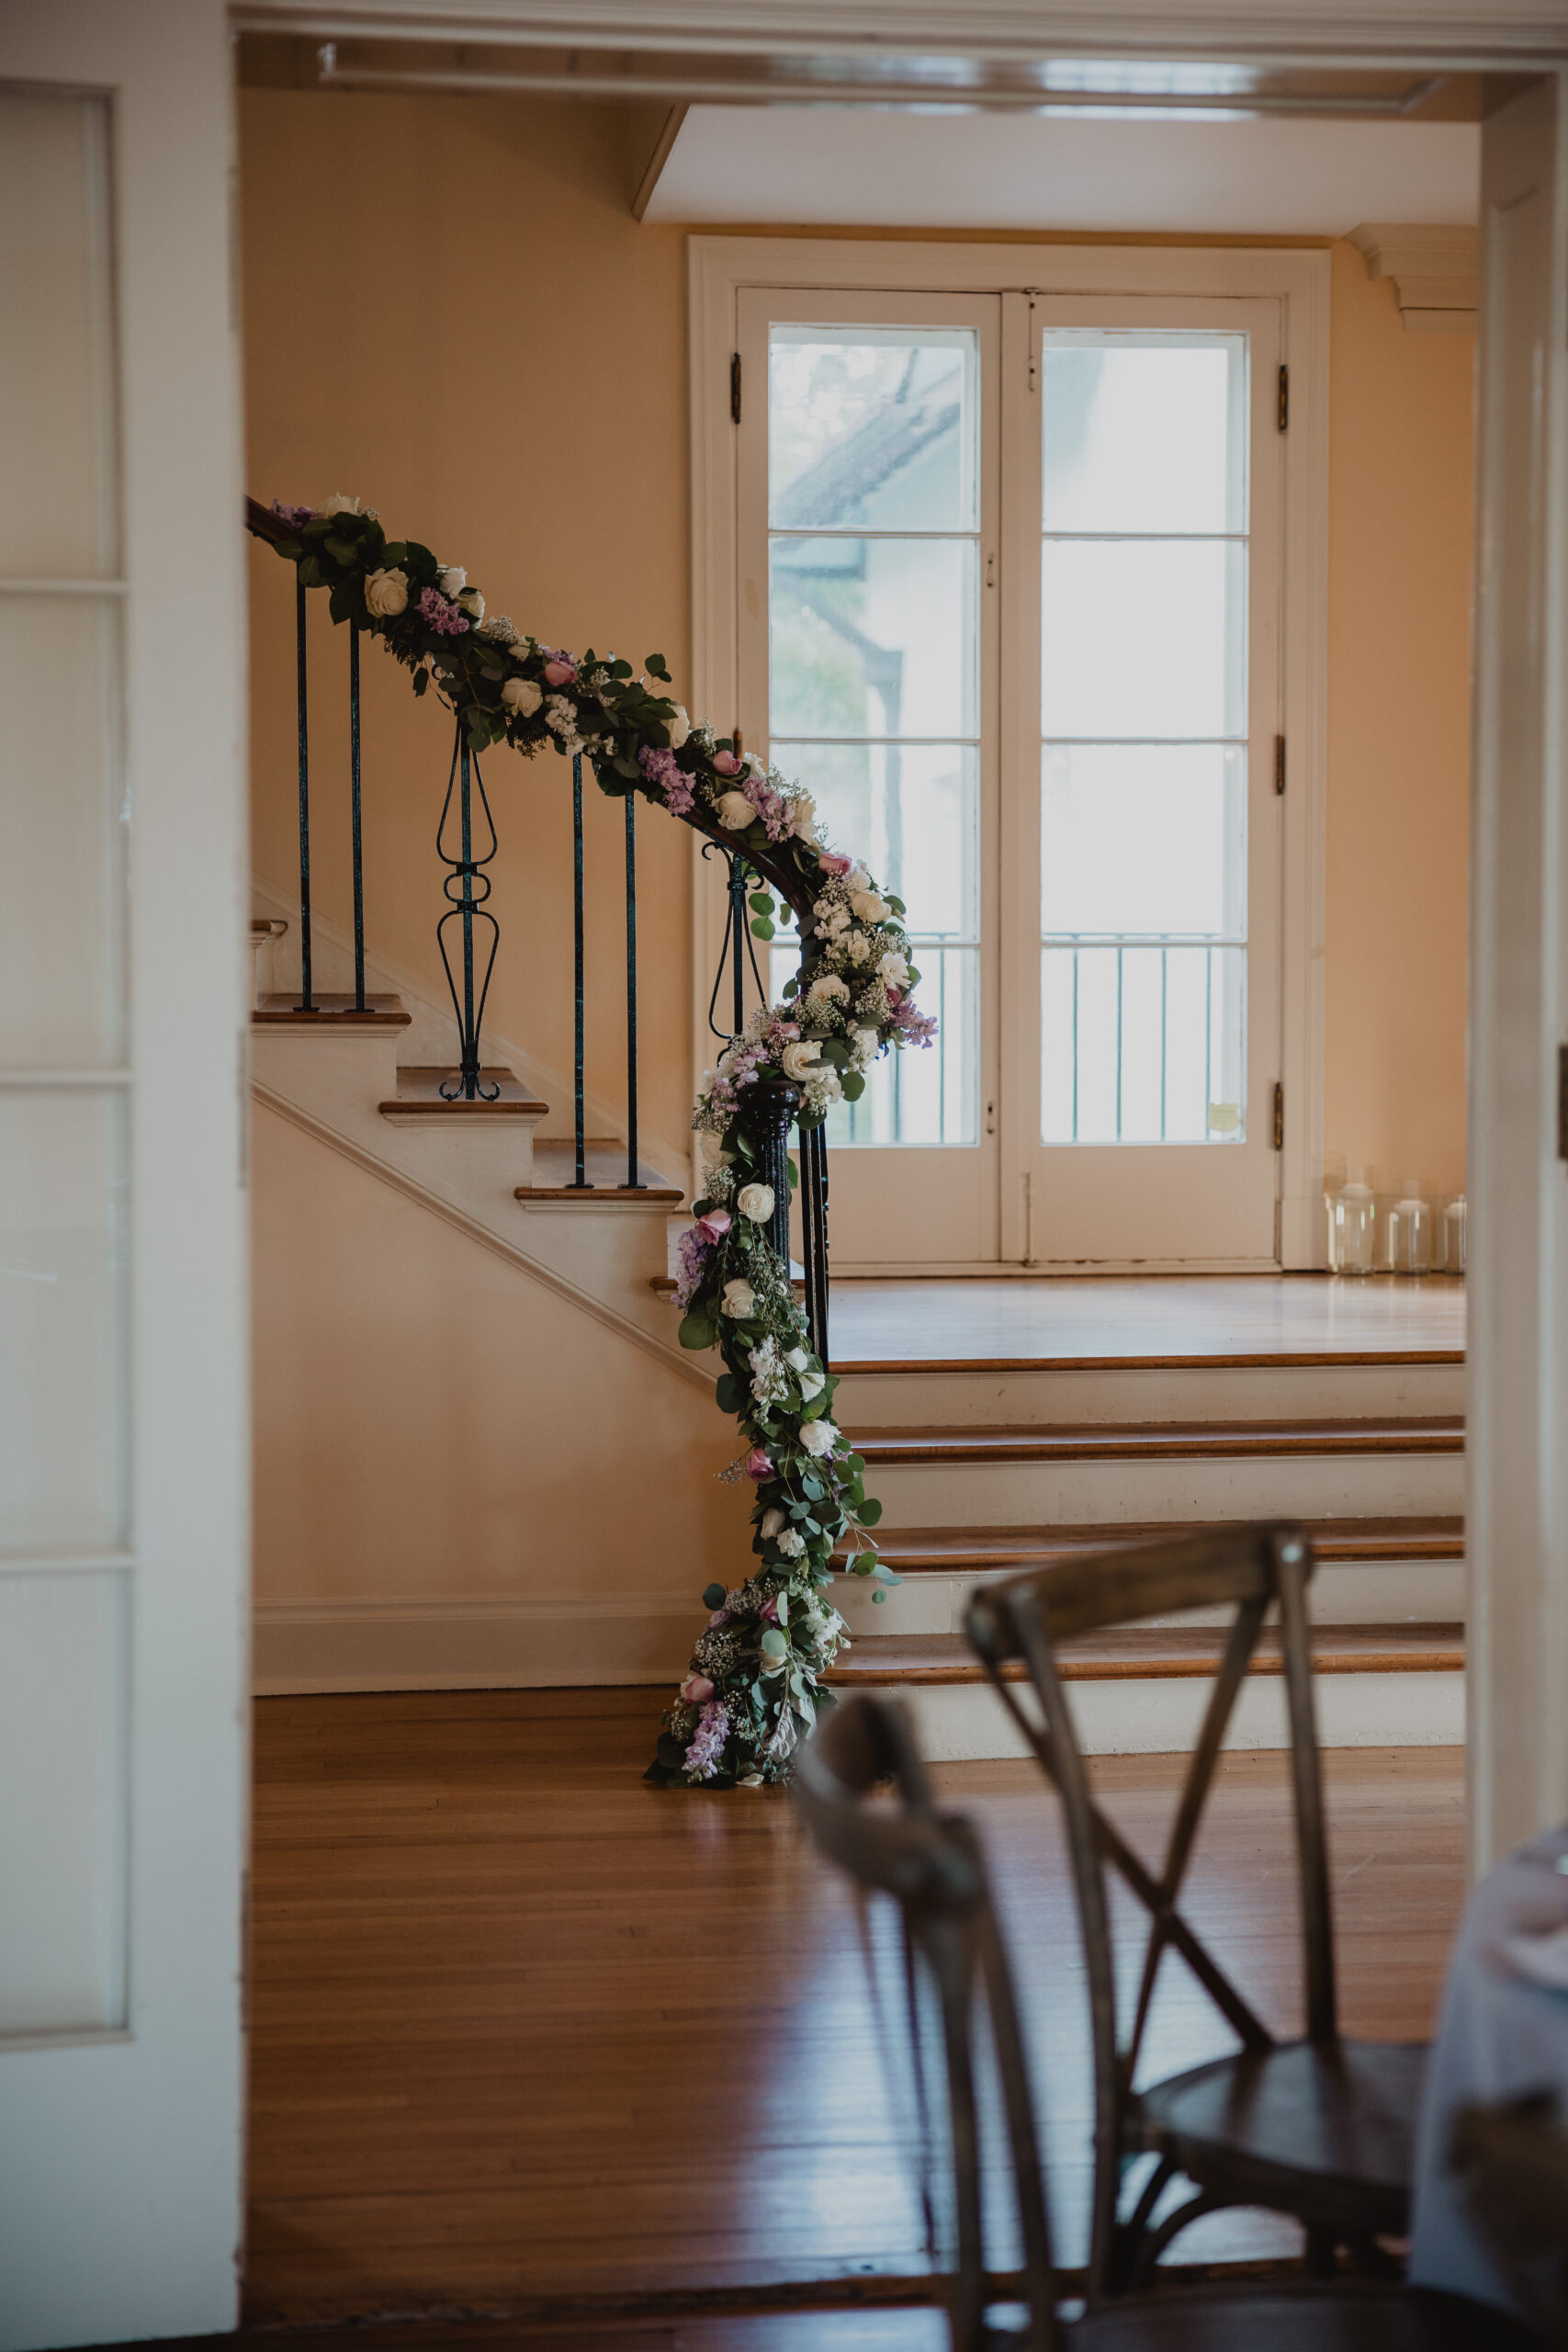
(440, 615)
(295, 516)
(664, 772)
(707, 1745)
(918, 1028)
(695, 1251)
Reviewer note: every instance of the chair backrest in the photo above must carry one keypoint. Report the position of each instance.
(1512, 2162)
(930, 1863)
(1025, 1618)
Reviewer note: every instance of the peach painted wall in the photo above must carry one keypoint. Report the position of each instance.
(1400, 534)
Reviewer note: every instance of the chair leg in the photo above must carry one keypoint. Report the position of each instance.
(1155, 2242)
(1128, 2236)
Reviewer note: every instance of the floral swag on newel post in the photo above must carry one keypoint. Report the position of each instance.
(754, 1684)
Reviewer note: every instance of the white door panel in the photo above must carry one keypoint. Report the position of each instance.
(123, 1456)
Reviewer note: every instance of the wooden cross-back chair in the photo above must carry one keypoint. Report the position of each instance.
(931, 1864)
(1320, 2128)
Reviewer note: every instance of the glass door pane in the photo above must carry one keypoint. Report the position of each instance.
(874, 665)
(1143, 725)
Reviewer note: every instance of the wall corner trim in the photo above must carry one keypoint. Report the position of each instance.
(1434, 272)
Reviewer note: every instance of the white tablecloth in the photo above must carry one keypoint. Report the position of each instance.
(1500, 2036)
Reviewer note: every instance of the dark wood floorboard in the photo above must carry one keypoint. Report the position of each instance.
(529, 2037)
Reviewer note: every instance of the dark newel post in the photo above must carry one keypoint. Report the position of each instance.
(771, 1105)
(580, 1177)
(466, 888)
(632, 1184)
(307, 1001)
(354, 812)
(814, 1234)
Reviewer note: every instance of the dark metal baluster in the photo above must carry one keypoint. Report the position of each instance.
(581, 1178)
(814, 1234)
(354, 809)
(307, 1001)
(771, 1106)
(741, 937)
(632, 1184)
(466, 888)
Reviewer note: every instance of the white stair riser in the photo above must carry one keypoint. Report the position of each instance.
(967, 1721)
(1423, 1592)
(912, 1400)
(1177, 1486)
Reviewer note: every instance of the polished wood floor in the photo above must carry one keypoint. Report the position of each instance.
(1184, 1318)
(532, 2041)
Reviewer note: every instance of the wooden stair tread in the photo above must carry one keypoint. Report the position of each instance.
(945, 1549)
(604, 1157)
(1140, 1653)
(419, 1093)
(1148, 1441)
(1286, 1360)
(335, 1009)
(266, 927)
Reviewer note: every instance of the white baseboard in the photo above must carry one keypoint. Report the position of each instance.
(549, 1641)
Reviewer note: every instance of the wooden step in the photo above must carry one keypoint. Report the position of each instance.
(1150, 1441)
(1138, 1653)
(419, 1097)
(604, 1166)
(334, 1010)
(954, 1551)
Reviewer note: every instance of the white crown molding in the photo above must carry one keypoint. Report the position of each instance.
(1434, 272)
(1429, 32)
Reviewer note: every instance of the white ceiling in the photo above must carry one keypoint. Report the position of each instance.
(862, 168)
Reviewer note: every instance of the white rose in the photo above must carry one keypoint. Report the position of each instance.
(712, 1149)
(338, 504)
(893, 967)
(866, 1044)
(830, 918)
(791, 1544)
(739, 1300)
(859, 947)
(473, 603)
(811, 1385)
(818, 1437)
(825, 986)
(772, 1523)
(521, 695)
(454, 580)
(797, 1359)
(799, 1060)
(679, 728)
(387, 595)
(754, 766)
(857, 879)
(736, 811)
(869, 907)
(755, 1201)
(803, 816)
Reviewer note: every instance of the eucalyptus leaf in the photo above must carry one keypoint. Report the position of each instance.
(713, 1596)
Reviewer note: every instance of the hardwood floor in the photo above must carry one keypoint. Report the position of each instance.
(1210, 1318)
(530, 2039)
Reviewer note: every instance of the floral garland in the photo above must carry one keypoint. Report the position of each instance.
(753, 1685)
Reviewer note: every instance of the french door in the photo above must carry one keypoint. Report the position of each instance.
(868, 665)
(1009, 601)
(1143, 767)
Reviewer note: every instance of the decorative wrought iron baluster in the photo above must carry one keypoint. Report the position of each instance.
(307, 1001)
(580, 1178)
(353, 814)
(771, 1106)
(466, 887)
(632, 1184)
(737, 950)
(814, 1234)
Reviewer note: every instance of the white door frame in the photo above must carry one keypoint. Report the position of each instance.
(121, 2157)
(719, 267)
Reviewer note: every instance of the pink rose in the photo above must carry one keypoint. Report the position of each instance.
(893, 994)
(696, 1690)
(787, 1028)
(769, 1612)
(725, 762)
(559, 673)
(714, 1225)
(758, 1465)
(832, 863)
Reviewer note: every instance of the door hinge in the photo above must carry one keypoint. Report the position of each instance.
(1563, 1101)
(1283, 411)
(1279, 1116)
(735, 388)
(1279, 764)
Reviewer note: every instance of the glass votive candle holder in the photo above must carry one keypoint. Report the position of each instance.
(1455, 1218)
(1410, 1231)
(1353, 1225)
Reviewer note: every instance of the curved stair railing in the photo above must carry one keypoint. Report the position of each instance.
(465, 824)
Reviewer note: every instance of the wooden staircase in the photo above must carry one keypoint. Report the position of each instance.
(1366, 1447)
